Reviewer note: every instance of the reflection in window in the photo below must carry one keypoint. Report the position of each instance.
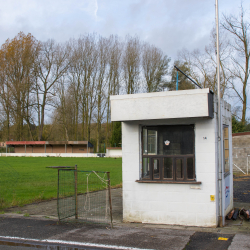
(226, 149)
(179, 168)
(145, 141)
(156, 163)
(168, 168)
(145, 168)
(152, 142)
(190, 168)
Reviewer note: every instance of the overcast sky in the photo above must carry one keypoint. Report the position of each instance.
(168, 24)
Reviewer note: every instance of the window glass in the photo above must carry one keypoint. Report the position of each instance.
(145, 168)
(145, 141)
(179, 168)
(175, 140)
(168, 152)
(152, 142)
(226, 149)
(156, 167)
(190, 168)
(168, 168)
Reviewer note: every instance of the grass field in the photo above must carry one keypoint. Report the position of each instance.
(24, 180)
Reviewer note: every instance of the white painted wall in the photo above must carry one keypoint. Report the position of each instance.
(160, 105)
(182, 204)
(164, 203)
(114, 153)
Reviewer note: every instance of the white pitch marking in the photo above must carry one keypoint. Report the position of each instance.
(86, 244)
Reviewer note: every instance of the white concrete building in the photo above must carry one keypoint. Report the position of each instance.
(114, 152)
(170, 157)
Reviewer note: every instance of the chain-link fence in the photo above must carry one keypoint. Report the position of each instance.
(84, 195)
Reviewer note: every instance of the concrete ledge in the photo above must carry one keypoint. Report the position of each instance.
(48, 155)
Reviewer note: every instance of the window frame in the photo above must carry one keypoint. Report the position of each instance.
(161, 158)
(226, 172)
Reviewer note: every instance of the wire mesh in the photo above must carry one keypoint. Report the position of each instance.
(84, 195)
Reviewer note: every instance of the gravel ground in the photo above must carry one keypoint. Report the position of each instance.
(242, 188)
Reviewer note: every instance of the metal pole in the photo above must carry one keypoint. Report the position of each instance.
(221, 217)
(177, 80)
(58, 197)
(188, 77)
(76, 203)
(87, 148)
(247, 164)
(110, 201)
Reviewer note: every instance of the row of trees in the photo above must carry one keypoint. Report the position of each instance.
(68, 85)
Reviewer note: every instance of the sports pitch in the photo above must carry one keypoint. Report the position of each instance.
(24, 180)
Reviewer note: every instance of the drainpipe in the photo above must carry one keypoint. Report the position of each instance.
(220, 174)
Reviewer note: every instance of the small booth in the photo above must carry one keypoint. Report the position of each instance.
(170, 160)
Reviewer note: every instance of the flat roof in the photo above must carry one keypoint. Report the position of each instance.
(161, 94)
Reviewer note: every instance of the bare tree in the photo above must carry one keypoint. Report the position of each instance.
(154, 67)
(103, 53)
(131, 64)
(89, 59)
(75, 75)
(238, 27)
(114, 78)
(53, 64)
(203, 66)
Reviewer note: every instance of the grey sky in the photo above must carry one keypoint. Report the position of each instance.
(170, 25)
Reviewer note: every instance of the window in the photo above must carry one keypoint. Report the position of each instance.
(168, 153)
(226, 149)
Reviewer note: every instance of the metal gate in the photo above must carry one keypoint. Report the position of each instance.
(84, 195)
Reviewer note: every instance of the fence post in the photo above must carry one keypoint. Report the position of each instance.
(76, 203)
(58, 194)
(110, 201)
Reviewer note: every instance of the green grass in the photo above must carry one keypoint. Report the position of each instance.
(24, 180)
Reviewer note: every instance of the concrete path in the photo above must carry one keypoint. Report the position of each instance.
(123, 236)
(39, 222)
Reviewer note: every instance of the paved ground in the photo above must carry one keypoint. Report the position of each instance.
(48, 209)
(131, 235)
(242, 188)
(42, 225)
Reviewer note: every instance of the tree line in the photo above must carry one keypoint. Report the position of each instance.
(69, 84)
(60, 91)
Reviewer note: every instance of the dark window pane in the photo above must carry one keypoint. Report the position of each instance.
(190, 168)
(175, 140)
(168, 168)
(179, 168)
(145, 168)
(156, 168)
